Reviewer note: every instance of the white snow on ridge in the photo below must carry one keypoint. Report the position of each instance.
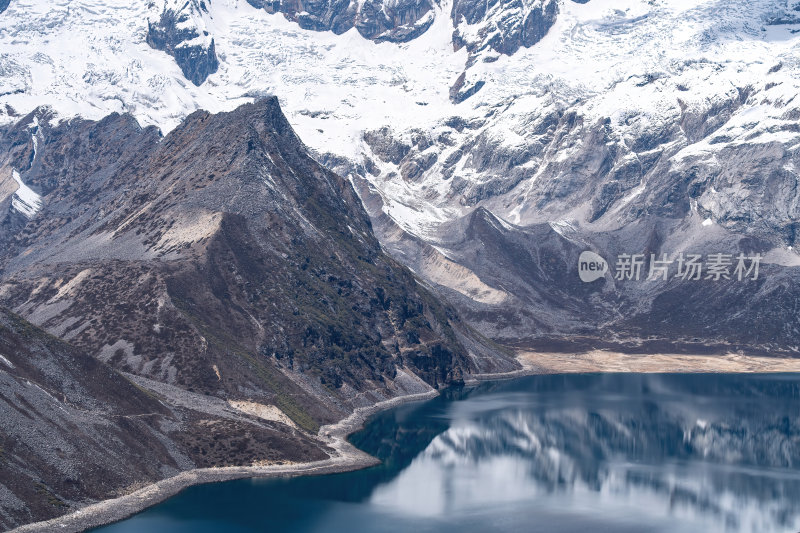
(25, 200)
(89, 57)
(641, 63)
(93, 60)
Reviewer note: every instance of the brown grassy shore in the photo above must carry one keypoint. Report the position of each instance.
(593, 361)
(609, 361)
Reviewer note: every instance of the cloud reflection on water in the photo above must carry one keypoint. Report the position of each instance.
(719, 456)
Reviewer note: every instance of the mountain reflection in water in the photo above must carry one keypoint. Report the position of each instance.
(615, 453)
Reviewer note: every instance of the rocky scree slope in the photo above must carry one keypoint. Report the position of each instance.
(74, 431)
(221, 259)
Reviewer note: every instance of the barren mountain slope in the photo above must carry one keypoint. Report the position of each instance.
(74, 431)
(222, 259)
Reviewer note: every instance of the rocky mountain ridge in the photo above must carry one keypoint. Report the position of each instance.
(221, 259)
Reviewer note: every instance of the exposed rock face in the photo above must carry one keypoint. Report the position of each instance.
(460, 91)
(221, 259)
(73, 430)
(502, 25)
(378, 20)
(395, 22)
(180, 32)
(337, 15)
(498, 26)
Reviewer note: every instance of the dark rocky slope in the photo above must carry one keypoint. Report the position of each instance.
(552, 309)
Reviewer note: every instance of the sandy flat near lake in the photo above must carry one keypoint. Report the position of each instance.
(608, 361)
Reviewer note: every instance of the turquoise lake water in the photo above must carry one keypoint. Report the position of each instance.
(579, 453)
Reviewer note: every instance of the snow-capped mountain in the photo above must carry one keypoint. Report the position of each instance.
(491, 142)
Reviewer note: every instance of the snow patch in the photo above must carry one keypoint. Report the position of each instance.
(25, 200)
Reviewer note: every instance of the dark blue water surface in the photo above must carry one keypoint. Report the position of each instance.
(579, 453)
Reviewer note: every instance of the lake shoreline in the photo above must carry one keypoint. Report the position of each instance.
(349, 458)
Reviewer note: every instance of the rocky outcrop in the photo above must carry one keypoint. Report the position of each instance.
(498, 26)
(378, 20)
(178, 33)
(394, 21)
(501, 25)
(460, 91)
